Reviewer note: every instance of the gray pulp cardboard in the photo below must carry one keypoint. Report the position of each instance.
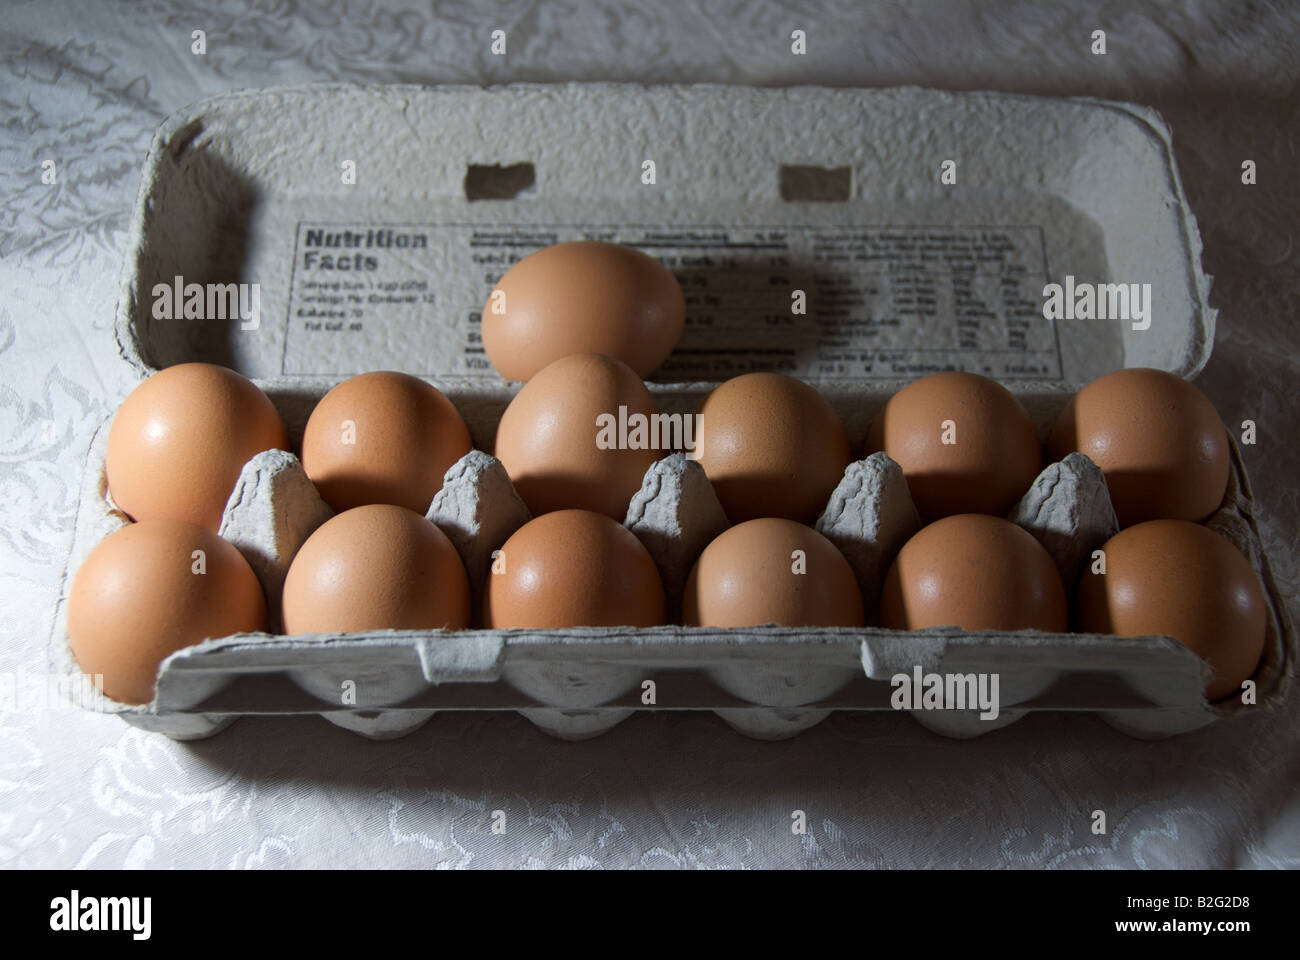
(478, 509)
(675, 515)
(271, 512)
(746, 199)
(869, 518)
(1068, 509)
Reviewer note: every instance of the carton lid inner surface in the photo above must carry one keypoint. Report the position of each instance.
(323, 231)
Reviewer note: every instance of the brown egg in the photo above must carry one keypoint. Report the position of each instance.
(151, 588)
(582, 298)
(180, 438)
(377, 567)
(554, 442)
(965, 443)
(1158, 440)
(772, 447)
(382, 437)
(977, 572)
(573, 568)
(1178, 579)
(772, 570)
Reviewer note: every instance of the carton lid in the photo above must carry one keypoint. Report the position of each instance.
(319, 231)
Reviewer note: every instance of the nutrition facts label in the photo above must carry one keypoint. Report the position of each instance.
(885, 302)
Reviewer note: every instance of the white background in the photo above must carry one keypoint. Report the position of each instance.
(85, 84)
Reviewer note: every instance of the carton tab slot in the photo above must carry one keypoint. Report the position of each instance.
(803, 184)
(515, 181)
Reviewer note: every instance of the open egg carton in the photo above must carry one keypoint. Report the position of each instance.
(375, 220)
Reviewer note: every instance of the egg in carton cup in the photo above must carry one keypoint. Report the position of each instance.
(237, 188)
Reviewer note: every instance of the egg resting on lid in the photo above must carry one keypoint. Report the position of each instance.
(583, 297)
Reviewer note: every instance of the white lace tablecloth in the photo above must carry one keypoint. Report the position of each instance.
(84, 84)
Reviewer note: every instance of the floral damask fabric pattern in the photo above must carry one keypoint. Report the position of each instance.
(85, 84)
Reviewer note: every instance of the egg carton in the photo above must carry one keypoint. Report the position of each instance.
(234, 187)
(768, 682)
